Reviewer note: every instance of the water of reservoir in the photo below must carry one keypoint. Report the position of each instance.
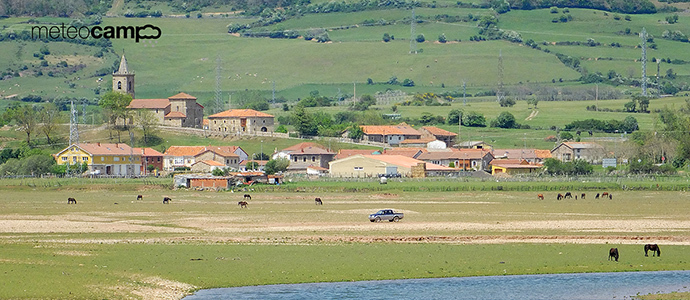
(592, 286)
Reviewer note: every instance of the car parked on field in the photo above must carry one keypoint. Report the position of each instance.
(386, 215)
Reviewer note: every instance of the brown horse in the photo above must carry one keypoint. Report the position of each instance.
(71, 200)
(166, 200)
(140, 197)
(243, 204)
(247, 196)
(652, 247)
(605, 194)
(318, 201)
(540, 197)
(613, 254)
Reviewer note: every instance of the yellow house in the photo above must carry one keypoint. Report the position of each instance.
(102, 158)
(513, 166)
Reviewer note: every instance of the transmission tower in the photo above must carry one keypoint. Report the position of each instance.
(499, 90)
(218, 104)
(274, 92)
(83, 112)
(643, 36)
(413, 38)
(464, 93)
(73, 125)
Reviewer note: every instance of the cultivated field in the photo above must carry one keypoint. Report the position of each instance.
(110, 245)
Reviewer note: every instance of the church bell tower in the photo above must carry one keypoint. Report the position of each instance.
(123, 79)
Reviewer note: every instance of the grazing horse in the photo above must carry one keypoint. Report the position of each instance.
(610, 196)
(243, 204)
(597, 196)
(605, 194)
(166, 200)
(583, 196)
(559, 197)
(540, 197)
(318, 201)
(652, 247)
(613, 254)
(247, 196)
(568, 195)
(140, 197)
(71, 200)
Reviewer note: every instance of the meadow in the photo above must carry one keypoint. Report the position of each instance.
(110, 245)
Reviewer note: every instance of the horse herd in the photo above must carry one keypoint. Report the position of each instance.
(569, 195)
(166, 200)
(613, 252)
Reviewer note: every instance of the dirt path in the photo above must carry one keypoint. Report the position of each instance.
(533, 114)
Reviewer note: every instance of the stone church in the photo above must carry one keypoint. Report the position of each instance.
(180, 110)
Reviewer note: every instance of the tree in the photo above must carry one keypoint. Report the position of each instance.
(442, 38)
(261, 156)
(148, 122)
(505, 120)
(473, 119)
(355, 133)
(25, 117)
(304, 122)
(506, 102)
(420, 38)
(114, 106)
(276, 165)
(252, 165)
(386, 37)
(50, 119)
(364, 102)
(454, 117)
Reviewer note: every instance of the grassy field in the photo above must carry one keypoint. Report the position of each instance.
(188, 49)
(110, 245)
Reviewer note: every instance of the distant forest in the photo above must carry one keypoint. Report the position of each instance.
(74, 8)
(56, 8)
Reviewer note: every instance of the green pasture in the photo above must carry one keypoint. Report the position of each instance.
(61, 263)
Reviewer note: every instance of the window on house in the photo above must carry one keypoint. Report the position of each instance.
(102, 158)
(359, 168)
(85, 159)
(119, 85)
(64, 158)
(304, 159)
(313, 158)
(295, 158)
(116, 158)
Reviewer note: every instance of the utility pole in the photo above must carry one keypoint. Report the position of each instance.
(499, 91)
(413, 38)
(218, 105)
(73, 131)
(643, 36)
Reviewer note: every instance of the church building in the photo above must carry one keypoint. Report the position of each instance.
(180, 110)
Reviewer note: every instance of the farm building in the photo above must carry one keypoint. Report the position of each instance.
(513, 167)
(180, 110)
(431, 132)
(569, 151)
(102, 158)
(464, 159)
(374, 165)
(206, 166)
(391, 135)
(241, 121)
(530, 155)
(186, 156)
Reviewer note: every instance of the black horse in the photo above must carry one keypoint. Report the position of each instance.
(568, 195)
(71, 200)
(166, 200)
(613, 254)
(247, 196)
(652, 247)
(559, 197)
(318, 201)
(140, 197)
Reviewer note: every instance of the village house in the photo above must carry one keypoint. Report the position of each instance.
(386, 165)
(409, 152)
(259, 165)
(150, 157)
(530, 155)
(389, 134)
(206, 166)
(513, 167)
(343, 153)
(462, 159)
(241, 121)
(304, 155)
(570, 151)
(473, 145)
(435, 133)
(102, 159)
(185, 156)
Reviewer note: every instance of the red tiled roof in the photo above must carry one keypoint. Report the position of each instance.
(543, 153)
(226, 151)
(182, 96)
(301, 146)
(343, 153)
(389, 130)
(409, 152)
(147, 152)
(405, 161)
(175, 114)
(107, 149)
(149, 103)
(417, 141)
(438, 131)
(236, 113)
(260, 162)
(184, 150)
